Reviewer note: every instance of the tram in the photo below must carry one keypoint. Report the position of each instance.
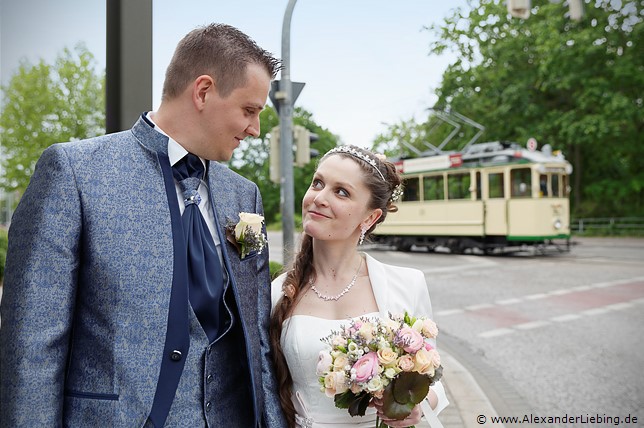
(490, 197)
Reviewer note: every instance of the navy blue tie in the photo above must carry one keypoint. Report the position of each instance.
(205, 279)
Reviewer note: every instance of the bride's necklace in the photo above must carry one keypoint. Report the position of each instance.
(326, 297)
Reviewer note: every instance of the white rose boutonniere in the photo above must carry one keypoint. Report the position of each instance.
(246, 235)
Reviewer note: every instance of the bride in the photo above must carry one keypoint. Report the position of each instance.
(331, 281)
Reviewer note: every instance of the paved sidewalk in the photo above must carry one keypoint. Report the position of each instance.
(467, 399)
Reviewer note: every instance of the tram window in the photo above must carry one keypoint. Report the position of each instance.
(411, 189)
(433, 189)
(521, 182)
(556, 189)
(543, 186)
(458, 186)
(495, 185)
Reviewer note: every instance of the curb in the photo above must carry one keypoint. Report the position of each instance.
(467, 399)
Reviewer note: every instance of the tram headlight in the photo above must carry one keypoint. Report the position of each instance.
(557, 224)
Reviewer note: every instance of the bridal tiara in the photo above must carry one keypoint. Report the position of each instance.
(356, 154)
(396, 193)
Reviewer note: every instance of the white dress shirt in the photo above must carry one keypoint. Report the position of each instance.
(176, 152)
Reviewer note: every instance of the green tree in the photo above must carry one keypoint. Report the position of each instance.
(577, 86)
(252, 161)
(44, 104)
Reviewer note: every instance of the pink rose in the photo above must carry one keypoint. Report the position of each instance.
(409, 339)
(406, 363)
(366, 367)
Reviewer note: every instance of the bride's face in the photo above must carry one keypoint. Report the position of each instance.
(336, 203)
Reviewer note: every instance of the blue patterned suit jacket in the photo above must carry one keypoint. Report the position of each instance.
(91, 258)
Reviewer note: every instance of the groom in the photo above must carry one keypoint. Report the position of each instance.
(124, 304)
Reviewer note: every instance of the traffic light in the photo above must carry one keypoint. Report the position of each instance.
(275, 172)
(519, 8)
(303, 139)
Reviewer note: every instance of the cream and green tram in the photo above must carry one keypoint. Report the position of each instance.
(494, 197)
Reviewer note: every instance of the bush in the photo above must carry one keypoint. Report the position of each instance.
(275, 269)
(4, 241)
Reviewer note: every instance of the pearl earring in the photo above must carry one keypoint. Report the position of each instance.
(363, 232)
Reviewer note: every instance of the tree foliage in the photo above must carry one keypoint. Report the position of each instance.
(252, 160)
(578, 86)
(45, 104)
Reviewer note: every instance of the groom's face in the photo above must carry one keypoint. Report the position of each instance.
(230, 119)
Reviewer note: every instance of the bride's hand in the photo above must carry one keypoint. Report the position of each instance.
(412, 419)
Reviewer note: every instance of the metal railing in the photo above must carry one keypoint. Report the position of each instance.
(608, 226)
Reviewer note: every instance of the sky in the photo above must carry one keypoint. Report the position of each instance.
(365, 63)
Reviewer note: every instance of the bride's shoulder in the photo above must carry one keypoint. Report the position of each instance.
(276, 288)
(279, 280)
(393, 271)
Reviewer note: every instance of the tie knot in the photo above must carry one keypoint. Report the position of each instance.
(188, 172)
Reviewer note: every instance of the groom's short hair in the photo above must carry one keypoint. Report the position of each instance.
(220, 51)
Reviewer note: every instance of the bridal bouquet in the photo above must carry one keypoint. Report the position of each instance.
(390, 359)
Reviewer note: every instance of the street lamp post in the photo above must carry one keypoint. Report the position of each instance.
(285, 100)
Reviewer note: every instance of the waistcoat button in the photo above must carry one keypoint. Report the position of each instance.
(209, 378)
(175, 355)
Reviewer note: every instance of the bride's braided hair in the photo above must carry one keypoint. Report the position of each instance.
(383, 181)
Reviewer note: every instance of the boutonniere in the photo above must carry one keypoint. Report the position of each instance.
(246, 235)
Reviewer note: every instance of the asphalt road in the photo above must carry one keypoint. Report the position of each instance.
(545, 335)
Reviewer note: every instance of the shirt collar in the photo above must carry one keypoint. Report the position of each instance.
(176, 152)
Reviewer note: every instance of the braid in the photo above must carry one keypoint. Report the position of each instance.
(296, 278)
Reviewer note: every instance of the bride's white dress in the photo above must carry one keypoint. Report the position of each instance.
(396, 289)
(301, 344)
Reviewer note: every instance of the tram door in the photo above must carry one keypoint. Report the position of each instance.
(496, 221)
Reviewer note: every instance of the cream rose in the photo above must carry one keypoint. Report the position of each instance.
(340, 362)
(248, 219)
(387, 356)
(423, 362)
(366, 331)
(334, 383)
(435, 358)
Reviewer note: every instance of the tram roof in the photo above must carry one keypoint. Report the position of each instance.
(480, 154)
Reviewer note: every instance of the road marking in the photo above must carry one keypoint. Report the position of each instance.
(620, 306)
(450, 312)
(508, 301)
(559, 319)
(473, 262)
(487, 309)
(531, 325)
(596, 311)
(479, 307)
(566, 317)
(495, 333)
(538, 296)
